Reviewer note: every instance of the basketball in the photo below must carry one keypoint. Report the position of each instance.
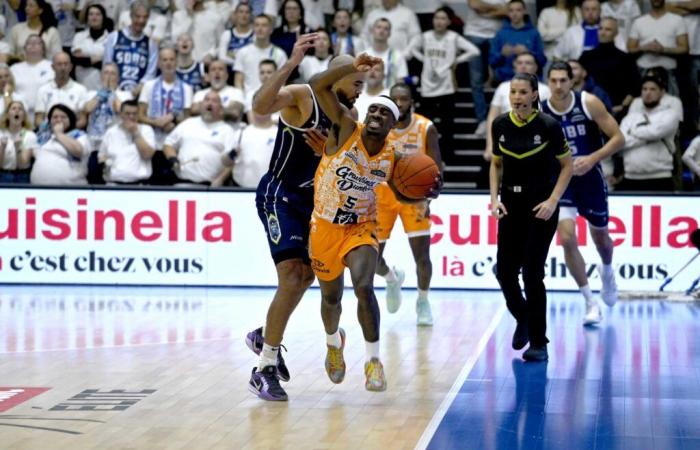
(414, 175)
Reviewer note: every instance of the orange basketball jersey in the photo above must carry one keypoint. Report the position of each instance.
(412, 139)
(345, 182)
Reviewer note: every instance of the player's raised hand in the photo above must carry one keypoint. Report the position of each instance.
(364, 62)
(303, 43)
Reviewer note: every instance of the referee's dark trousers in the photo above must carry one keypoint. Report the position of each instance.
(523, 244)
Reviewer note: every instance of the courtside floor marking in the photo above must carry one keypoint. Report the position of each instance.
(432, 427)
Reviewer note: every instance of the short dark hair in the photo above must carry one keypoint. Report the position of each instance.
(401, 85)
(658, 75)
(561, 65)
(126, 103)
(264, 16)
(268, 61)
(72, 119)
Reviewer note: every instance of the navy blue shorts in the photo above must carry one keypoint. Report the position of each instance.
(285, 214)
(589, 195)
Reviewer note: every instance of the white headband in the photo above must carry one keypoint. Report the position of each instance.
(387, 103)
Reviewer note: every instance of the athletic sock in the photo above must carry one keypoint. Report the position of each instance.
(390, 276)
(606, 270)
(423, 294)
(334, 339)
(371, 350)
(268, 356)
(587, 293)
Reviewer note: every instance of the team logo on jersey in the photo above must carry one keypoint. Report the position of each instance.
(538, 139)
(273, 228)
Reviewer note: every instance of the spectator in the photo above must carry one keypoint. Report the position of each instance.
(231, 97)
(251, 157)
(624, 11)
(517, 36)
(240, 35)
(354, 8)
(404, 24)
(135, 53)
(483, 20)
(582, 82)
(293, 25)
(89, 47)
(318, 62)
(32, 73)
(343, 40)
(103, 106)
(553, 22)
(395, 67)
(248, 57)
(584, 36)
(189, 70)
(650, 129)
(266, 69)
(195, 146)
(440, 50)
(374, 87)
(12, 11)
(64, 11)
(222, 8)
(7, 88)
(40, 21)
(691, 158)
(500, 103)
(156, 26)
(17, 144)
(205, 27)
(113, 8)
(62, 90)
(166, 100)
(127, 148)
(614, 70)
(62, 159)
(690, 11)
(5, 49)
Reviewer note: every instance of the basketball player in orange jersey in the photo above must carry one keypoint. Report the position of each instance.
(356, 159)
(413, 133)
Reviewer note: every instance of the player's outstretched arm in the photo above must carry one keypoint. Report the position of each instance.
(272, 95)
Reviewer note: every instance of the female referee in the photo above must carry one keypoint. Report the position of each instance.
(526, 146)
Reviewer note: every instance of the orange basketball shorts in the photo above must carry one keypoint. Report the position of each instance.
(415, 217)
(329, 244)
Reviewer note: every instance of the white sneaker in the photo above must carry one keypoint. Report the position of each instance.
(393, 291)
(425, 316)
(593, 315)
(608, 290)
(481, 129)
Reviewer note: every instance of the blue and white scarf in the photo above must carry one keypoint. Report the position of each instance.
(164, 102)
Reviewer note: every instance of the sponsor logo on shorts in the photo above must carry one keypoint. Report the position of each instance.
(318, 266)
(296, 237)
(273, 228)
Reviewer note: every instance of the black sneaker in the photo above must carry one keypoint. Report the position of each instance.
(520, 336)
(255, 340)
(536, 353)
(266, 385)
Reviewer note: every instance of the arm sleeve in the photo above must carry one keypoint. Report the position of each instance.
(469, 50)
(148, 135)
(223, 47)
(660, 126)
(174, 138)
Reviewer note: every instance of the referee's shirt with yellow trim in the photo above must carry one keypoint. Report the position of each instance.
(529, 151)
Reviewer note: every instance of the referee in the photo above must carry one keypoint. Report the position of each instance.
(527, 144)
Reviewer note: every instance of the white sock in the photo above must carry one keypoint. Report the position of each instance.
(268, 356)
(587, 293)
(371, 350)
(606, 270)
(334, 339)
(390, 276)
(423, 294)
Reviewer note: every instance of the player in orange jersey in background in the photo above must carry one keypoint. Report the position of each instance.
(412, 134)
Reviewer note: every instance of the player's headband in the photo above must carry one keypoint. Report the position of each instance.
(387, 103)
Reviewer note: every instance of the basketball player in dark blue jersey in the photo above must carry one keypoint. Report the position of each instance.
(285, 201)
(583, 117)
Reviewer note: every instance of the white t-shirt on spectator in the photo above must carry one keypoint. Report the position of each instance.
(55, 166)
(28, 78)
(124, 162)
(89, 76)
(552, 23)
(665, 30)
(146, 95)
(482, 26)
(205, 27)
(691, 156)
(624, 13)
(5, 48)
(199, 148)
(422, 6)
(20, 32)
(248, 59)
(229, 95)
(156, 27)
(29, 142)
(72, 94)
(224, 41)
(311, 65)
(500, 97)
(692, 24)
(395, 67)
(404, 25)
(255, 149)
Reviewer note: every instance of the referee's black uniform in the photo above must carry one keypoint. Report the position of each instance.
(529, 152)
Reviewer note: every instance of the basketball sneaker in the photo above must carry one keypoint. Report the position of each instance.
(255, 340)
(423, 313)
(266, 385)
(608, 290)
(393, 291)
(593, 315)
(374, 373)
(536, 354)
(335, 363)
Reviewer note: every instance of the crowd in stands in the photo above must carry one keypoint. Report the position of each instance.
(160, 91)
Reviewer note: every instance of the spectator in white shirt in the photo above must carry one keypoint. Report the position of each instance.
(624, 11)
(32, 73)
(195, 146)
(248, 57)
(691, 158)
(203, 24)
(7, 88)
(156, 26)
(5, 49)
(103, 106)
(127, 148)
(89, 48)
(189, 70)
(250, 159)
(166, 100)
(231, 97)
(342, 38)
(292, 26)
(266, 69)
(584, 36)
(62, 159)
(113, 8)
(404, 24)
(62, 90)
(690, 11)
(240, 35)
(17, 144)
(374, 87)
(64, 11)
(40, 21)
(395, 67)
(552, 23)
(318, 62)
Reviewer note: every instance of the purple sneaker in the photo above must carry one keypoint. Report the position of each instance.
(265, 385)
(254, 340)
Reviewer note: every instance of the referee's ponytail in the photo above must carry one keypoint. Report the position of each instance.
(534, 84)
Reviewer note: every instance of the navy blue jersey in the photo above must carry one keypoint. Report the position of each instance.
(131, 56)
(237, 42)
(579, 128)
(193, 75)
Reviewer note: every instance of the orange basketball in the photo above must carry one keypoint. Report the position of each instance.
(414, 175)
